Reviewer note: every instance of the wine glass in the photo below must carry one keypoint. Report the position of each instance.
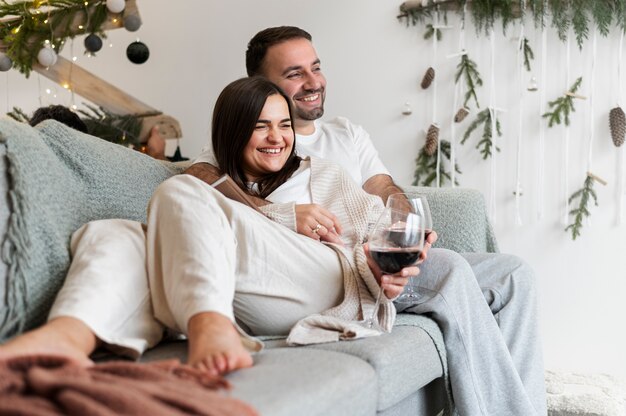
(395, 242)
(417, 204)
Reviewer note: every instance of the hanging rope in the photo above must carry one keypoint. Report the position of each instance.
(436, 28)
(520, 65)
(542, 131)
(494, 132)
(458, 90)
(591, 108)
(7, 92)
(621, 162)
(566, 137)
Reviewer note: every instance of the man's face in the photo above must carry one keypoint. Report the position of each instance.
(293, 65)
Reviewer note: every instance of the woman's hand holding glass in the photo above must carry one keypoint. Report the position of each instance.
(394, 246)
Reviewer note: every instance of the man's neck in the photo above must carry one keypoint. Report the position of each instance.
(305, 127)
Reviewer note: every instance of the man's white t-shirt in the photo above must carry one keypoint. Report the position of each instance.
(337, 140)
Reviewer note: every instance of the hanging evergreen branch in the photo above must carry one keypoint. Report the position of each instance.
(426, 166)
(562, 106)
(430, 31)
(575, 14)
(528, 53)
(583, 206)
(31, 23)
(18, 115)
(469, 71)
(486, 143)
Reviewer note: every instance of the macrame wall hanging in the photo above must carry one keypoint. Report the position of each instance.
(572, 21)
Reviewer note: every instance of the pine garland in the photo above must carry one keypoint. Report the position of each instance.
(575, 14)
(583, 206)
(115, 128)
(18, 115)
(486, 143)
(426, 166)
(430, 31)
(562, 106)
(469, 71)
(32, 23)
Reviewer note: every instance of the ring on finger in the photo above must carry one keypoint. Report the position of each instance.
(317, 228)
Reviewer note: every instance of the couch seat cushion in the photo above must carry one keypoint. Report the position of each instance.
(297, 381)
(404, 360)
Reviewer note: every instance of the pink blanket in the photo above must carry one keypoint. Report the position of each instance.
(48, 385)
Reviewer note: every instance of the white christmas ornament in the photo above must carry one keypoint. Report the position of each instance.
(47, 56)
(5, 62)
(116, 6)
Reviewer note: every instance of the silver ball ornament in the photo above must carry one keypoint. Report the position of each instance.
(5, 62)
(116, 6)
(132, 23)
(47, 56)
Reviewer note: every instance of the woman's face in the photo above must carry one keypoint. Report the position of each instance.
(271, 142)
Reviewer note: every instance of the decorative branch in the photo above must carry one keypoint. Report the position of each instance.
(528, 53)
(33, 22)
(575, 14)
(430, 31)
(486, 143)
(120, 129)
(563, 106)
(583, 205)
(18, 115)
(468, 70)
(426, 166)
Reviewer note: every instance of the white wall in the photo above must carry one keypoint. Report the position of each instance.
(374, 64)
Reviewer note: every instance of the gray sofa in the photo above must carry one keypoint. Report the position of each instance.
(56, 179)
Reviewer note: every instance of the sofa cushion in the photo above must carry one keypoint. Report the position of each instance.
(297, 381)
(405, 360)
(60, 179)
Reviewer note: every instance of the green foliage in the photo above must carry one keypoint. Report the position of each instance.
(486, 143)
(18, 115)
(562, 107)
(426, 167)
(469, 71)
(577, 15)
(528, 53)
(430, 31)
(120, 129)
(583, 206)
(27, 26)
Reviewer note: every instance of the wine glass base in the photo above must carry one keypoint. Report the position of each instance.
(408, 298)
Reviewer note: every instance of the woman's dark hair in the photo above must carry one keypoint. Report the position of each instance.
(59, 113)
(236, 113)
(262, 41)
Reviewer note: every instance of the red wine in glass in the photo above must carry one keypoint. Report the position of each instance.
(392, 260)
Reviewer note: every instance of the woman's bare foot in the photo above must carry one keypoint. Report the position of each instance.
(64, 336)
(214, 344)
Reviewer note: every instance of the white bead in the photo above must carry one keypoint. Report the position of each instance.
(116, 6)
(47, 56)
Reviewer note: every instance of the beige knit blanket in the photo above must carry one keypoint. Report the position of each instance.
(333, 189)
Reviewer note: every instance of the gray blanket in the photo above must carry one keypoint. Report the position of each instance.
(58, 180)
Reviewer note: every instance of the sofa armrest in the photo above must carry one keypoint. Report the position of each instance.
(460, 219)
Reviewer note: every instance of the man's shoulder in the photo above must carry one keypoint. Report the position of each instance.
(337, 123)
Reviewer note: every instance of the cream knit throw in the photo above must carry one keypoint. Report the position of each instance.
(333, 189)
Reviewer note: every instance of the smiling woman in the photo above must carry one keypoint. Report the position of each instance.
(271, 143)
(259, 135)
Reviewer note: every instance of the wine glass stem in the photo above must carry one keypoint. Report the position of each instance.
(409, 286)
(370, 322)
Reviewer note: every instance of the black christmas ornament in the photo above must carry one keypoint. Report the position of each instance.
(93, 43)
(137, 52)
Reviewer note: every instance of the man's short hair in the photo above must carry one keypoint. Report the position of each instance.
(59, 113)
(262, 41)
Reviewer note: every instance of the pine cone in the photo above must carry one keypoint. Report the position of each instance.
(461, 114)
(429, 76)
(432, 140)
(617, 123)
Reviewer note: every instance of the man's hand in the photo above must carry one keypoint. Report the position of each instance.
(430, 240)
(381, 185)
(392, 285)
(318, 223)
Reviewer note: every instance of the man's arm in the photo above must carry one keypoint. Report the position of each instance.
(209, 174)
(381, 185)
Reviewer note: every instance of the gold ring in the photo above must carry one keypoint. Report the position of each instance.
(317, 228)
